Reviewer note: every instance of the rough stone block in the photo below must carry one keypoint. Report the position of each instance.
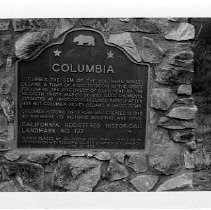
(19, 24)
(183, 32)
(6, 84)
(177, 68)
(4, 24)
(183, 136)
(144, 183)
(119, 156)
(145, 26)
(103, 155)
(189, 160)
(186, 101)
(162, 98)
(116, 186)
(183, 112)
(165, 158)
(137, 162)
(4, 145)
(177, 183)
(8, 186)
(3, 123)
(115, 171)
(151, 51)
(63, 25)
(184, 90)
(30, 43)
(125, 41)
(29, 175)
(77, 174)
(8, 108)
(171, 123)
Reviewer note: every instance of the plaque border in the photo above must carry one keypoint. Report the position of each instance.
(60, 40)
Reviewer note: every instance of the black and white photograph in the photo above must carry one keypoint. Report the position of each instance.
(106, 104)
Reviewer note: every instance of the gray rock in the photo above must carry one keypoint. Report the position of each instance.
(162, 98)
(77, 174)
(180, 182)
(171, 123)
(144, 183)
(30, 175)
(184, 90)
(4, 145)
(184, 31)
(182, 58)
(8, 186)
(12, 155)
(183, 112)
(63, 25)
(168, 75)
(137, 162)
(30, 43)
(191, 145)
(3, 123)
(151, 52)
(103, 155)
(124, 19)
(19, 24)
(165, 158)
(7, 47)
(116, 186)
(182, 135)
(115, 171)
(189, 160)
(6, 84)
(41, 157)
(119, 156)
(4, 24)
(186, 101)
(125, 41)
(8, 108)
(160, 136)
(145, 26)
(177, 68)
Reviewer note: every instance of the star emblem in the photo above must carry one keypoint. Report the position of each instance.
(57, 52)
(110, 54)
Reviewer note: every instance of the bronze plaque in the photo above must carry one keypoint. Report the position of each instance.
(82, 94)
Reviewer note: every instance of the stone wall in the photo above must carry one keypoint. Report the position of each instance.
(167, 164)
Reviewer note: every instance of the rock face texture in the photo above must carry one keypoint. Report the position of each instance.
(76, 174)
(165, 45)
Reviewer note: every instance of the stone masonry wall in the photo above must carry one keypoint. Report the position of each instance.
(167, 163)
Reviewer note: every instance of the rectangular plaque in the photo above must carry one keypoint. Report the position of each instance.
(82, 94)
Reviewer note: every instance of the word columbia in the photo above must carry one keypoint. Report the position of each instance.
(83, 68)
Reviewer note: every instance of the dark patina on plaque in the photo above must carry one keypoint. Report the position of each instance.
(82, 94)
